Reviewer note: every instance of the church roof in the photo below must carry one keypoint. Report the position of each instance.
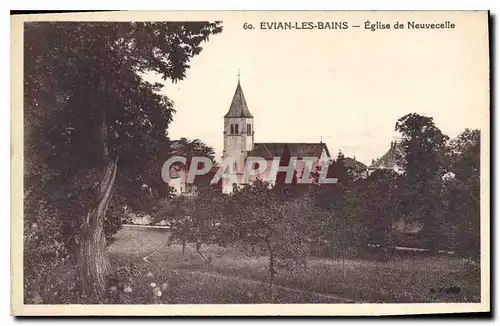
(270, 150)
(389, 159)
(238, 108)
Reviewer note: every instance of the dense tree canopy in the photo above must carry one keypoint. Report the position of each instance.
(424, 147)
(81, 75)
(91, 120)
(462, 195)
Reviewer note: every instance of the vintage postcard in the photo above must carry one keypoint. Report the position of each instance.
(250, 163)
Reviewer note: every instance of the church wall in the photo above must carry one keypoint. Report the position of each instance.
(241, 141)
(299, 168)
(236, 146)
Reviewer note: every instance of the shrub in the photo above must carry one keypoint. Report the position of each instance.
(49, 273)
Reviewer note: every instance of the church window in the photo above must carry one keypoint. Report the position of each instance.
(232, 129)
(236, 129)
(249, 129)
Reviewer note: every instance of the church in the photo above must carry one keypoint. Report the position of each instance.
(240, 149)
(240, 146)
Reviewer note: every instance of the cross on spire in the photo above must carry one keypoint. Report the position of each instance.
(238, 75)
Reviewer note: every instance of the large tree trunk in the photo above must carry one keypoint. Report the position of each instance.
(93, 261)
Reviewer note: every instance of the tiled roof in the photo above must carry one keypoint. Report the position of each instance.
(353, 164)
(389, 159)
(269, 150)
(239, 108)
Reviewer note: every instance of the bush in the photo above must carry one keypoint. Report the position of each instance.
(49, 273)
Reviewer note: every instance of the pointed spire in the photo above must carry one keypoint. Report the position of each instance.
(238, 108)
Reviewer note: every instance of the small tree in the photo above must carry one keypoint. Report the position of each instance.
(206, 217)
(176, 212)
(193, 219)
(259, 219)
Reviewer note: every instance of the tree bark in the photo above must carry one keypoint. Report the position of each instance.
(271, 269)
(93, 260)
(184, 242)
(343, 266)
(198, 247)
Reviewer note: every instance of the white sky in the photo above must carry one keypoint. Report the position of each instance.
(347, 86)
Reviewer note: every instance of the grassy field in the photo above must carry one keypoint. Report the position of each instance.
(234, 277)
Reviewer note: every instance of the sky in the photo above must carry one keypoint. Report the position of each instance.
(344, 87)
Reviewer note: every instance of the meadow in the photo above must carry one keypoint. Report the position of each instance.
(142, 256)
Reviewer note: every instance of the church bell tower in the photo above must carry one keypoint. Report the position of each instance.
(238, 135)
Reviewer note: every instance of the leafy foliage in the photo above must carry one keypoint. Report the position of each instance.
(192, 148)
(381, 197)
(75, 73)
(257, 218)
(424, 147)
(85, 103)
(461, 195)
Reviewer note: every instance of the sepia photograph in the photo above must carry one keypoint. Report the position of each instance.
(206, 163)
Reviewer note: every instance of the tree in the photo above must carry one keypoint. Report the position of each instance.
(461, 194)
(207, 218)
(281, 187)
(193, 219)
(338, 222)
(336, 169)
(177, 212)
(464, 153)
(190, 217)
(424, 147)
(339, 169)
(329, 195)
(192, 148)
(339, 212)
(381, 195)
(87, 109)
(257, 218)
